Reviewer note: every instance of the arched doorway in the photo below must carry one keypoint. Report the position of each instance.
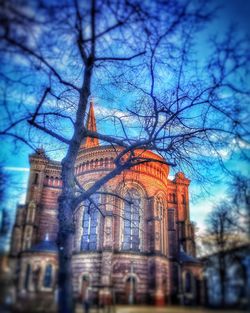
(84, 285)
(130, 290)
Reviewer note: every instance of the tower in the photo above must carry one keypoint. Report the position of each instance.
(90, 142)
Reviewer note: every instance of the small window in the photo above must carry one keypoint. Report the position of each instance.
(47, 280)
(36, 178)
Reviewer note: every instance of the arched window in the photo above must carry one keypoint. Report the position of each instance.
(89, 225)
(131, 232)
(172, 243)
(159, 208)
(47, 279)
(27, 276)
(106, 162)
(188, 282)
(47, 180)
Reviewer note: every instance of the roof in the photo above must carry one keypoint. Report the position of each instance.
(186, 258)
(44, 246)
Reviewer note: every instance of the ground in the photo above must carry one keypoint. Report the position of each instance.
(152, 309)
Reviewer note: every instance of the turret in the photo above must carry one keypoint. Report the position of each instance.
(38, 162)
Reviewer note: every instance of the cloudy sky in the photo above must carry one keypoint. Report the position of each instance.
(110, 102)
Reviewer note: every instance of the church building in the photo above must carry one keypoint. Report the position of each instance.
(140, 250)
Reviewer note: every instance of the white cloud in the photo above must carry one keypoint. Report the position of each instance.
(16, 169)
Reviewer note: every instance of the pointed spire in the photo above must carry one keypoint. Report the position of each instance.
(91, 125)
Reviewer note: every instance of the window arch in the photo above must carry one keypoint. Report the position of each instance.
(131, 231)
(47, 279)
(90, 224)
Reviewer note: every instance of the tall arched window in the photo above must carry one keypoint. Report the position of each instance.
(47, 279)
(159, 212)
(131, 231)
(89, 225)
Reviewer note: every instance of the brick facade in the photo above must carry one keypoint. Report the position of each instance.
(150, 274)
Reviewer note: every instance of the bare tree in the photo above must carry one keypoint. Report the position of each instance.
(220, 238)
(3, 182)
(240, 193)
(228, 229)
(55, 54)
(4, 214)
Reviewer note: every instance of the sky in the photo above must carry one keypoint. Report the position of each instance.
(14, 156)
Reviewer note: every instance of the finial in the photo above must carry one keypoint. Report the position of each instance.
(40, 151)
(92, 100)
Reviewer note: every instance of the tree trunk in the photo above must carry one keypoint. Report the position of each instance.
(65, 236)
(66, 209)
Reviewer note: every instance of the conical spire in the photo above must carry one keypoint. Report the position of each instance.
(91, 126)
